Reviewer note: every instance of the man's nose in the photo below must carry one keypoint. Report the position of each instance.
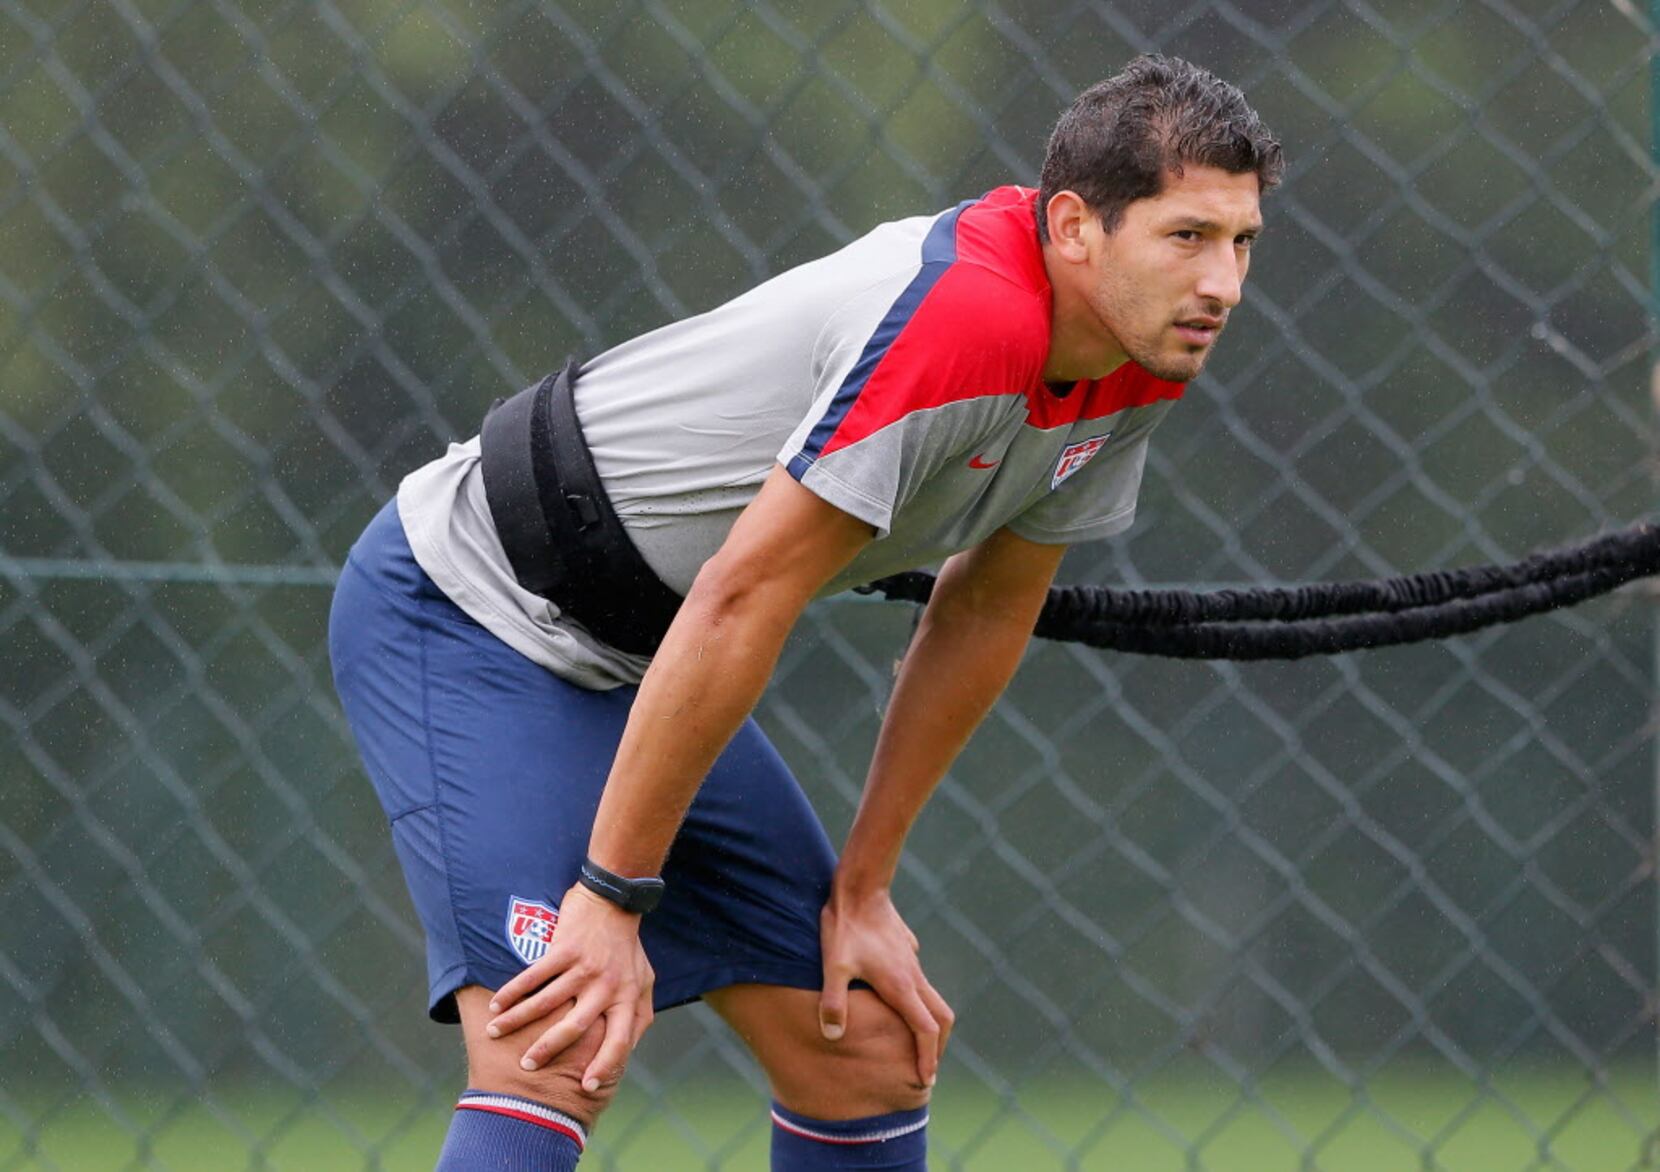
(1223, 278)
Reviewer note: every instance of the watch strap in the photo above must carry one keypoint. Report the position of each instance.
(632, 895)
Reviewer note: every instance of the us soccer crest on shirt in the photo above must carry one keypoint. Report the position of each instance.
(1075, 456)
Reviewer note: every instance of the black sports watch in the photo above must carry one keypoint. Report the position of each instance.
(632, 895)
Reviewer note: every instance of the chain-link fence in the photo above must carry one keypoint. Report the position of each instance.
(258, 258)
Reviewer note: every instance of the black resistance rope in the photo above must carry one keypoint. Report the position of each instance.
(1328, 618)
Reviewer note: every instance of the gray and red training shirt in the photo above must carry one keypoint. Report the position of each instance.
(900, 379)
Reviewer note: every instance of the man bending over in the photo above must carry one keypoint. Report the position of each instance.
(548, 646)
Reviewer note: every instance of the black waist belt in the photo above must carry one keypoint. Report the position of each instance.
(561, 535)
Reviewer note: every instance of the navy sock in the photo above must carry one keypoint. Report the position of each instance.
(891, 1143)
(505, 1133)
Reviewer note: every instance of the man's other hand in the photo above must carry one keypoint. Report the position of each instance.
(865, 939)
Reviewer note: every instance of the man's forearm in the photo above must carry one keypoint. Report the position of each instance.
(714, 664)
(966, 650)
(947, 683)
(703, 683)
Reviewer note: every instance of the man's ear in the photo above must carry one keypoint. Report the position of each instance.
(1069, 221)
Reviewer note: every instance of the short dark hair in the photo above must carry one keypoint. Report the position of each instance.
(1117, 140)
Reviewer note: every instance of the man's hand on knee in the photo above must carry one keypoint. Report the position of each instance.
(870, 1070)
(865, 939)
(494, 1063)
(595, 975)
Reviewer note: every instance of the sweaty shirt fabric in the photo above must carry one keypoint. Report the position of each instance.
(899, 379)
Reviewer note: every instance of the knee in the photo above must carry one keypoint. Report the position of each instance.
(493, 1063)
(870, 1070)
(878, 1053)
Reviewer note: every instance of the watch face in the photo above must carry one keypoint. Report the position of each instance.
(647, 894)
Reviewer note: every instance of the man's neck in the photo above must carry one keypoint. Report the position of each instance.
(1079, 345)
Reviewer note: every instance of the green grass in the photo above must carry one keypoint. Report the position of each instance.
(1407, 1119)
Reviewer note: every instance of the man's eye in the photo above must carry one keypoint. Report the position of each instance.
(1246, 242)
(1187, 234)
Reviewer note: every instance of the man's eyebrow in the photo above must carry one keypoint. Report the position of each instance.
(1195, 224)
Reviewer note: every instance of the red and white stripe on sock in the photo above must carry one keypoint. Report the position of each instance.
(527, 1110)
(883, 1127)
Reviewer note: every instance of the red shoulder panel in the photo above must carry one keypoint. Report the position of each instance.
(999, 232)
(974, 334)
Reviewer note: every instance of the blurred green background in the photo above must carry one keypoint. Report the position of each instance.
(258, 260)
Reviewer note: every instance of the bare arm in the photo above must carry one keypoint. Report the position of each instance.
(714, 664)
(966, 650)
(967, 647)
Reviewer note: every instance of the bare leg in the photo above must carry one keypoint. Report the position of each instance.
(516, 1120)
(870, 1071)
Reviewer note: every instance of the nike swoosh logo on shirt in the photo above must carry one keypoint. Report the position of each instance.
(979, 462)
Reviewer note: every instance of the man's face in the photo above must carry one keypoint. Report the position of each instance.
(1166, 280)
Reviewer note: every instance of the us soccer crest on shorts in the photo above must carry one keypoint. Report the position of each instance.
(1075, 456)
(530, 925)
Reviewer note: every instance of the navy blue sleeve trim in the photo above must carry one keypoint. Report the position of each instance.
(939, 251)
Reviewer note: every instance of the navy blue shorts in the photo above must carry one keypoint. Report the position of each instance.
(490, 768)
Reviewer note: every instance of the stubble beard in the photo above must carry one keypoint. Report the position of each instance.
(1168, 358)
(1149, 350)
(1171, 368)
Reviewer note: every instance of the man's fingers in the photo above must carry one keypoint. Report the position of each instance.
(526, 982)
(921, 1020)
(566, 1032)
(942, 1011)
(544, 1001)
(607, 1066)
(832, 1004)
(643, 1015)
